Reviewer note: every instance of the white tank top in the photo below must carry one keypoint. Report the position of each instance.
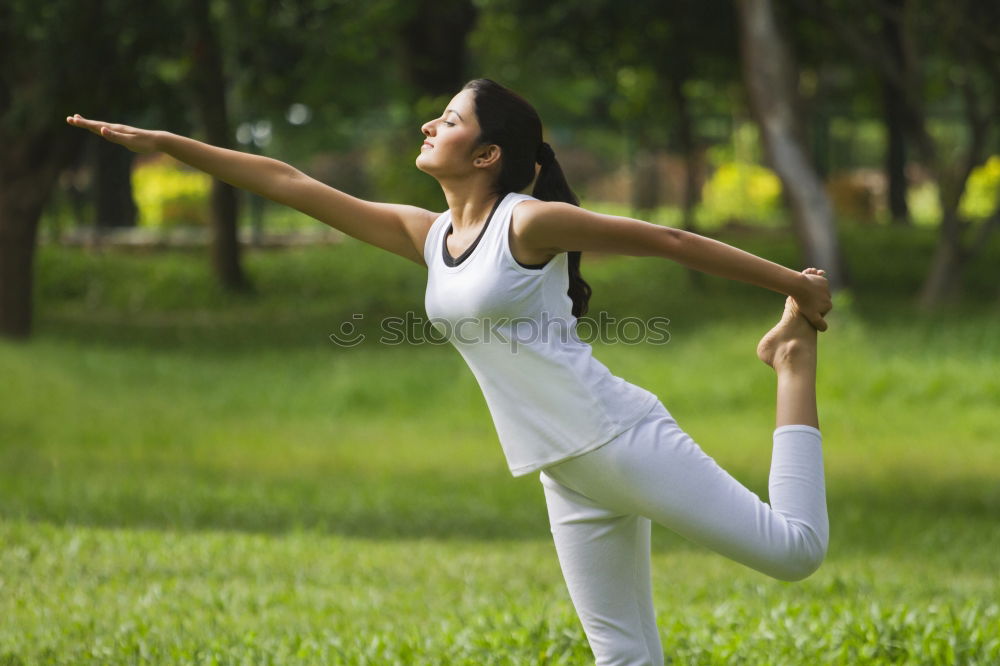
(550, 399)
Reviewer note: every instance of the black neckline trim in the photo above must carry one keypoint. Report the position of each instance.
(533, 267)
(452, 261)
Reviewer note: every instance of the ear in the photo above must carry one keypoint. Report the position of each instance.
(486, 156)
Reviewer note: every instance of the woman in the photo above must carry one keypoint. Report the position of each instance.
(609, 455)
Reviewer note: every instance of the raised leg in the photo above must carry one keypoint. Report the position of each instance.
(790, 348)
(597, 501)
(656, 470)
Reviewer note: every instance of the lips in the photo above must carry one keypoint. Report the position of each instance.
(426, 144)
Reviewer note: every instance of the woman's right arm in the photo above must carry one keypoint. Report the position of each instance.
(397, 228)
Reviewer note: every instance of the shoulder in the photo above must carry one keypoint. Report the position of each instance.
(417, 224)
(413, 218)
(530, 212)
(535, 220)
(418, 217)
(537, 227)
(417, 221)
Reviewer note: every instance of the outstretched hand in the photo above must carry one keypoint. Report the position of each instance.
(813, 300)
(135, 139)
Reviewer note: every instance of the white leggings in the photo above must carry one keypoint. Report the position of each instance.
(600, 505)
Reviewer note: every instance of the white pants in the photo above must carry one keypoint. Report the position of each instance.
(600, 505)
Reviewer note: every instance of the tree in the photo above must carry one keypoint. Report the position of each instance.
(433, 36)
(58, 57)
(901, 52)
(634, 64)
(770, 76)
(960, 59)
(208, 84)
(114, 204)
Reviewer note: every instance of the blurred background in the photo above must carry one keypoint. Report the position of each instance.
(814, 119)
(191, 471)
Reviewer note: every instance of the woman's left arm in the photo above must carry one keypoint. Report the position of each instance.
(560, 227)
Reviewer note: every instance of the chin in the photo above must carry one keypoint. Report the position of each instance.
(422, 164)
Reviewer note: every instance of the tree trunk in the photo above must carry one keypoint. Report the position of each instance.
(115, 206)
(944, 276)
(434, 44)
(692, 164)
(19, 213)
(895, 157)
(28, 172)
(770, 80)
(645, 181)
(898, 66)
(952, 254)
(894, 115)
(689, 148)
(210, 98)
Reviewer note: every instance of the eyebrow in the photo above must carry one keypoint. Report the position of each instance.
(456, 113)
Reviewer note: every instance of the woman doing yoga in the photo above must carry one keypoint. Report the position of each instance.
(504, 283)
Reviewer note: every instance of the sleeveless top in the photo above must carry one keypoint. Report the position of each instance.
(550, 399)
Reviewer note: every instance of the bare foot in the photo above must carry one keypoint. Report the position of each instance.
(792, 340)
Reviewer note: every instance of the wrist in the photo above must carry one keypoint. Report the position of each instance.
(798, 285)
(161, 141)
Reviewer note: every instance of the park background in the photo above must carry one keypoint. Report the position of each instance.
(191, 471)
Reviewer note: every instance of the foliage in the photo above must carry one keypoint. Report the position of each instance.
(169, 194)
(741, 191)
(318, 53)
(924, 204)
(982, 192)
(979, 201)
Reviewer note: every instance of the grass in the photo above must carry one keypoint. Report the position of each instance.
(191, 477)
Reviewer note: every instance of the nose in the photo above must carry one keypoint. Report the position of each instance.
(427, 127)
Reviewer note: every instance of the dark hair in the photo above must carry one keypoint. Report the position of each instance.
(509, 121)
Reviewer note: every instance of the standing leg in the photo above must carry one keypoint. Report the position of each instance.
(604, 556)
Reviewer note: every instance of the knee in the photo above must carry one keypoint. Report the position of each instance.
(801, 568)
(802, 562)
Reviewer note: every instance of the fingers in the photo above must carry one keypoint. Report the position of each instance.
(816, 317)
(92, 125)
(77, 120)
(96, 126)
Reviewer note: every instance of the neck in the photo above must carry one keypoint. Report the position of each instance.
(470, 202)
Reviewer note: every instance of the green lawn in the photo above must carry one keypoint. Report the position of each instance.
(190, 477)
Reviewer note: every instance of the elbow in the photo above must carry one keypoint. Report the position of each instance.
(670, 243)
(283, 183)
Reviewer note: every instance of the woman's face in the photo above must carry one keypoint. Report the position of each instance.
(451, 139)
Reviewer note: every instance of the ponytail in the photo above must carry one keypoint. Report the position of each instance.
(551, 185)
(508, 120)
